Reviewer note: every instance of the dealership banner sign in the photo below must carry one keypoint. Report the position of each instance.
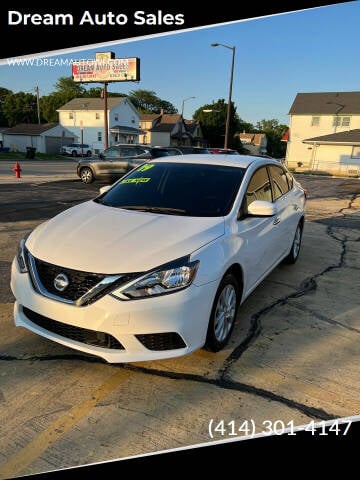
(107, 70)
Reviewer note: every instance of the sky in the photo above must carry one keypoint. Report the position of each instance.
(315, 50)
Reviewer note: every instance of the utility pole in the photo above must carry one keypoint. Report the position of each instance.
(38, 103)
(227, 127)
(182, 119)
(106, 125)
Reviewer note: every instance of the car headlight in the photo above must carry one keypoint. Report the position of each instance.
(20, 255)
(165, 279)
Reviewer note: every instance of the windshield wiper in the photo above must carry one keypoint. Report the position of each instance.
(146, 208)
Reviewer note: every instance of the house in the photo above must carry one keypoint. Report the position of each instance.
(164, 129)
(254, 143)
(325, 133)
(87, 114)
(146, 123)
(197, 137)
(46, 137)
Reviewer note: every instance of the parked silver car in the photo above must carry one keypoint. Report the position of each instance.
(115, 161)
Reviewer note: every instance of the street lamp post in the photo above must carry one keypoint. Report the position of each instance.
(227, 127)
(38, 104)
(182, 116)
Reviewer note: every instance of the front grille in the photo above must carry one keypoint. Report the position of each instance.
(161, 341)
(83, 289)
(82, 335)
(79, 282)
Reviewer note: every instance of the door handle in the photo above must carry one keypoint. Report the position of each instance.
(276, 220)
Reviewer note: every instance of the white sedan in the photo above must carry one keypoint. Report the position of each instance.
(157, 265)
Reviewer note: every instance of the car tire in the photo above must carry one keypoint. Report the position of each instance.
(223, 313)
(86, 175)
(296, 245)
(88, 153)
(73, 153)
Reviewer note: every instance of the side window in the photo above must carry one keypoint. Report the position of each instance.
(128, 152)
(290, 180)
(259, 188)
(112, 153)
(140, 151)
(279, 180)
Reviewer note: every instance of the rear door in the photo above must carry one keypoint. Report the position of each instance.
(288, 215)
(116, 163)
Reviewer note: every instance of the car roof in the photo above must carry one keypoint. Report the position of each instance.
(132, 145)
(187, 147)
(221, 149)
(210, 159)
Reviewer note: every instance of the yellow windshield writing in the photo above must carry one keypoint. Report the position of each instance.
(136, 180)
(146, 167)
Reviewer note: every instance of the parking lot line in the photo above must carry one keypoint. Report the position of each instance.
(27, 455)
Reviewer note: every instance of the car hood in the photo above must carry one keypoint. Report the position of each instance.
(97, 238)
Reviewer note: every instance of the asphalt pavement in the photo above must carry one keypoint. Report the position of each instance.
(293, 358)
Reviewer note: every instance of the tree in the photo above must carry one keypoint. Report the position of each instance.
(69, 89)
(3, 93)
(48, 106)
(20, 108)
(146, 101)
(65, 90)
(274, 132)
(166, 106)
(245, 126)
(213, 119)
(96, 92)
(267, 125)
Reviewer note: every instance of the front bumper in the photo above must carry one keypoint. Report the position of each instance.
(185, 313)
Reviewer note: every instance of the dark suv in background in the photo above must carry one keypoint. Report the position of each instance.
(115, 161)
(185, 150)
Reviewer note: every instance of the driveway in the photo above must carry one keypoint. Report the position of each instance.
(293, 357)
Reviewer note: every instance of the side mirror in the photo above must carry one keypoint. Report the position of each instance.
(261, 208)
(101, 155)
(104, 189)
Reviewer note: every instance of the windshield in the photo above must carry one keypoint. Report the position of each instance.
(177, 189)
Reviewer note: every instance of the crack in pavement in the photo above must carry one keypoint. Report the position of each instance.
(33, 358)
(229, 384)
(223, 383)
(351, 201)
(324, 318)
(309, 285)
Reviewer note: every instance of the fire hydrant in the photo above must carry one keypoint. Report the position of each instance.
(17, 170)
